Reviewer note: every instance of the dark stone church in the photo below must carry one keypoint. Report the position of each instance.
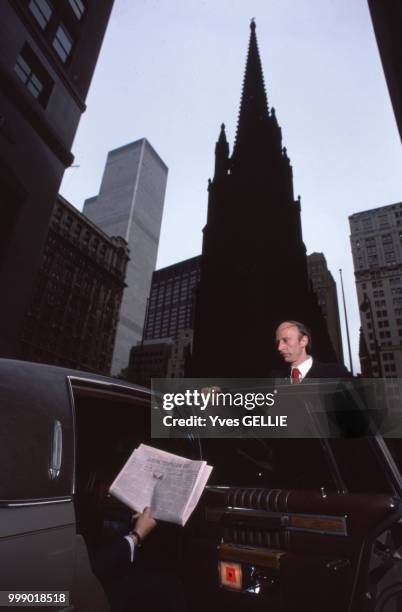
(254, 265)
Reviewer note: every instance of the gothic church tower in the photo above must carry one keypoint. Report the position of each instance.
(254, 267)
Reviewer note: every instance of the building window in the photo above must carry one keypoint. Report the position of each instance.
(68, 220)
(78, 7)
(42, 11)
(62, 43)
(33, 75)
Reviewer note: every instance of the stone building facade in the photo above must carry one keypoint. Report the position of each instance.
(72, 319)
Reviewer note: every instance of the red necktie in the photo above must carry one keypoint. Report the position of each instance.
(296, 376)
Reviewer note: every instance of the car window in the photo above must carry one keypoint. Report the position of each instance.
(110, 424)
(362, 465)
(282, 463)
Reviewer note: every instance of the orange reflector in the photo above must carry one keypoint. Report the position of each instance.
(230, 574)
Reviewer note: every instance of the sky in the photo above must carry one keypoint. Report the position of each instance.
(172, 71)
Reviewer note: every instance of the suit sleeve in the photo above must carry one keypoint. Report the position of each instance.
(110, 558)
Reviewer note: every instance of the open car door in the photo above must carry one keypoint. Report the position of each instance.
(298, 525)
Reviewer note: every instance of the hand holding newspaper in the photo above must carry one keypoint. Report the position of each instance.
(171, 485)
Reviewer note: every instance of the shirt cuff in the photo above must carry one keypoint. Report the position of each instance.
(132, 547)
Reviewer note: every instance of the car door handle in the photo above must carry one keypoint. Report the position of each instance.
(56, 449)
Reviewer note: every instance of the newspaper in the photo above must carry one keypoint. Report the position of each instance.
(171, 485)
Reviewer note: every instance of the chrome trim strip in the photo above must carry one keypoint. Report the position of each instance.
(109, 385)
(35, 503)
(72, 404)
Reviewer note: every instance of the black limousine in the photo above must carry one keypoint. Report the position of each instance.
(284, 525)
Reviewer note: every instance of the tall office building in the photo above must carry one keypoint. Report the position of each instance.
(172, 299)
(376, 239)
(160, 358)
(74, 311)
(254, 266)
(324, 287)
(149, 359)
(168, 330)
(48, 53)
(130, 204)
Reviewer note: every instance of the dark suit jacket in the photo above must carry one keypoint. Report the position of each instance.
(129, 587)
(346, 405)
(317, 370)
(110, 558)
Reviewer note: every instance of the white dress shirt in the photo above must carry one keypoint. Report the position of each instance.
(303, 368)
(132, 547)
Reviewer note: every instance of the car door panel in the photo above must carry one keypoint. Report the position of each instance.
(38, 543)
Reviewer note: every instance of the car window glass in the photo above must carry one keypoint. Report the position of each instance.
(285, 463)
(363, 468)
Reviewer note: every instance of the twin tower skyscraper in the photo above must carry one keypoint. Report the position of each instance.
(130, 204)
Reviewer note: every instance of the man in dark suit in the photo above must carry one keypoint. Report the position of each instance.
(110, 558)
(294, 342)
(342, 401)
(103, 574)
(129, 587)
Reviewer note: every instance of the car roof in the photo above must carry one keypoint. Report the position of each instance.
(38, 382)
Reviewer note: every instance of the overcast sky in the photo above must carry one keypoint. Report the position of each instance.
(172, 71)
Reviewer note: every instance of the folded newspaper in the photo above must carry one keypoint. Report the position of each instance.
(171, 485)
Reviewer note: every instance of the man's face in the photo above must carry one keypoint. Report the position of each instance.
(291, 344)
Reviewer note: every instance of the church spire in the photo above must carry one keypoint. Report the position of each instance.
(221, 154)
(253, 115)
